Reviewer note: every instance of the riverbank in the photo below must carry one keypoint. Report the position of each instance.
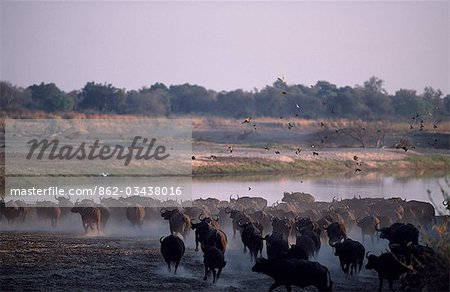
(217, 160)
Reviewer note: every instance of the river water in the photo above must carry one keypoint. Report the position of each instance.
(322, 188)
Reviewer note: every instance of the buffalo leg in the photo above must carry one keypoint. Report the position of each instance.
(391, 284)
(380, 283)
(274, 286)
(288, 287)
(86, 228)
(206, 272)
(176, 266)
(168, 266)
(219, 271)
(214, 275)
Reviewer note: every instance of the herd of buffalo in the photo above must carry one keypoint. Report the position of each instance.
(293, 231)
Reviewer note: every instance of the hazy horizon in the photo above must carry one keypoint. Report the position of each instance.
(225, 45)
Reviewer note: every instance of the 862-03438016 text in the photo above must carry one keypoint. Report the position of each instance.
(100, 191)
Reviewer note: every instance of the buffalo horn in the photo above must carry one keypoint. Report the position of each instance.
(376, 227)
(201, 217)
(367, 255)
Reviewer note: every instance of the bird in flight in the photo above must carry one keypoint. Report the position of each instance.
(247, 120)
(282, 81)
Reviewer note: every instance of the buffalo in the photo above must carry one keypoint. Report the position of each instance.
(387, 267)
(236, 217)
(90, 217)
(251, 238)
(172, 250)
(10, 210)
(282, 226)
(213, 259)
(335, 232)
(277, 246)
(208, 235)
(49, 211)
(367, 225)
(178, 221)
(351, 255)
(136, 215)
(309, 240)
(294, 272)
(400, 233)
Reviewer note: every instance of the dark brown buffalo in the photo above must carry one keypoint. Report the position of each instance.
(276, 246)
(335, 232)
(172, 250)
(250, 203)
(387, 267)
(90, 217)
(351, 255)
(65, 204)
(10, 210)
(136, 215)
(251, 238)
(309, 240)
(213, 259)
(236, 217)
(48, 211)
(400, 233)
(294, 272)
(178, 221)
(264, 219)
(367, 225)
(208, 234)
(423, 212)
(282, 226)
(298, 197)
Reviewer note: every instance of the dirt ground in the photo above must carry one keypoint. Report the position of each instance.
(58, 260)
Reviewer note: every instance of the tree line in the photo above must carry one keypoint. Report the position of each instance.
(323, 100)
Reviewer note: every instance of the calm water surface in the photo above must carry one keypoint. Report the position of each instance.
(323, 189)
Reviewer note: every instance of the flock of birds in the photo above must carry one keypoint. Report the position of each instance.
(403, 143)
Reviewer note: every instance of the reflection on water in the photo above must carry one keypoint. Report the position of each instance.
(323, 189)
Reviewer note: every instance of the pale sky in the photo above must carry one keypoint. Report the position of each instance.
(225, 45)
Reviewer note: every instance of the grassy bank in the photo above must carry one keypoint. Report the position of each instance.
(412, 165)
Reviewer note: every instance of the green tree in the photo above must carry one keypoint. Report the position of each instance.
(50, 98)
(235, 104)
(377, 102)
(103, 98)
(191, 99)
(408, 104)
